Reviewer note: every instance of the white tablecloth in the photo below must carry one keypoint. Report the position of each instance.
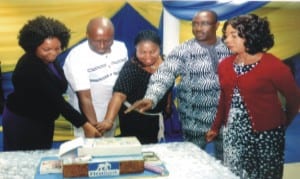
(183, 160)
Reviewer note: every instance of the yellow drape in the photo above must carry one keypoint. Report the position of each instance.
(74, 13)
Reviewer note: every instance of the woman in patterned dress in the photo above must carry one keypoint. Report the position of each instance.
(249, 106)
(131, 85)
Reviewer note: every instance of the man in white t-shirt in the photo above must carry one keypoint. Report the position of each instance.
(91, 69)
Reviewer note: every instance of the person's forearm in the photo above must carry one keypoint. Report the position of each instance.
(161, 81)
(86, 106)
(88, 111)
(114, 106)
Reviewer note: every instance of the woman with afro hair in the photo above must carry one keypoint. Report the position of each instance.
(39, 84)
(249, 108)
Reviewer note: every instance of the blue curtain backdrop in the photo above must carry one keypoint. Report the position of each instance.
(185, 10)
(128, 22)
(225, 9)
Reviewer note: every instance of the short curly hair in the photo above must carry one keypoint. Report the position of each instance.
(255, 31)
(37, 30)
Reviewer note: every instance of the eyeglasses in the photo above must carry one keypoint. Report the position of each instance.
(202, 24)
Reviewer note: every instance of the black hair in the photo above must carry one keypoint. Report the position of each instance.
(255, 31)
(213, 13)
(37, 30)
(147, 35)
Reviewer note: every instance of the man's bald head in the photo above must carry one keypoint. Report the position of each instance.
(100, 34)
(99, 23)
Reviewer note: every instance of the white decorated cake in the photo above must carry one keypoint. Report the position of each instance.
(110, 146)
(96, 157)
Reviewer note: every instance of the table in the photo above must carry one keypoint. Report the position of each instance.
(182, 159)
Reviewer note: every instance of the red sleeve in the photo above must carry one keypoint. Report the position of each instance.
(221, 111)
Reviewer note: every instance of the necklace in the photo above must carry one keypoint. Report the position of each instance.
(249, 59)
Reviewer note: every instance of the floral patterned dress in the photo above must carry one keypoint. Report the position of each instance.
(248, 154)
